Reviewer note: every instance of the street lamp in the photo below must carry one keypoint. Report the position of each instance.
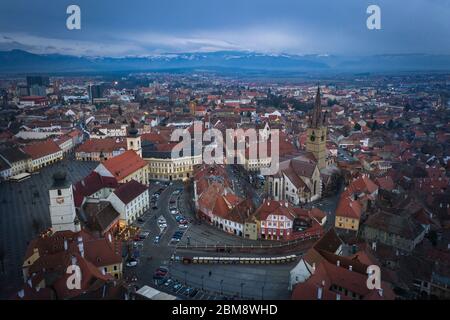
(242, 289)
(221, 287)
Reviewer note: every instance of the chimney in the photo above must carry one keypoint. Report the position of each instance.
(338, 263)
(374, 246)
(338, 296)
(350, 267)
(319, 293)
(313, 269)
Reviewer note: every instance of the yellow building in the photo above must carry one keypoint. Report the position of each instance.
(348, 214)
(162, 166)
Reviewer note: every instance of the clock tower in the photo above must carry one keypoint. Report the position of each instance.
(62, 206)
(134, 139)
(316, 142)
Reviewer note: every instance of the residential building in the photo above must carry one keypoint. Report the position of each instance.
(131, 200)
(43, 154)
(125, 167)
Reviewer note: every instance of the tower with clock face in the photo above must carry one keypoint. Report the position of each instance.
(62, 206)
(316, 142)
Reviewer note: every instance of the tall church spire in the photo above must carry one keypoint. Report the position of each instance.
(317, 117)
(317, 133)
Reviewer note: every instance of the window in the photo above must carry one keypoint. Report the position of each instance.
(59, 192)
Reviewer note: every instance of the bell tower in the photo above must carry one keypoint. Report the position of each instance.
(62, 207)
(316, 142)
(134, 140)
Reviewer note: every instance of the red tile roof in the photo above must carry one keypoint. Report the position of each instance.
(123, 165)
(363, 184)
(348, 208)
(276, 208)
(102, 145)
(385, 183)
(90, 185)
(129, 191)
(41, 149)
(327, 275)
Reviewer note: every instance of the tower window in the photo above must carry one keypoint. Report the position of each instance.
(59, 192)
(131, 143)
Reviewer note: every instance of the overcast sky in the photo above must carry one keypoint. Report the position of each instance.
(141, 27)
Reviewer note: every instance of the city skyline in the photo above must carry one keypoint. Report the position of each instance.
(143, 28)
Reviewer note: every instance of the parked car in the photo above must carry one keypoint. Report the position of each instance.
(161, 272)
(157, 239)
(168, 282)
(176, 287)
(132, 263)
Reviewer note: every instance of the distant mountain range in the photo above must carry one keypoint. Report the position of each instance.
(18, 61)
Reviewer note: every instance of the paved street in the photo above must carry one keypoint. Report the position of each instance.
(225, 280)
(20, 204)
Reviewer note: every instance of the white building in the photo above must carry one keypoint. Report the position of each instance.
(131, 200)
(62, 206)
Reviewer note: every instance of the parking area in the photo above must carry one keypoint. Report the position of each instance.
(226, 281)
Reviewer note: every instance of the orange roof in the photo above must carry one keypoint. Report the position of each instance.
(385, 183)
(327, 275)
(276, 208)
(348, 208)
(41, 149)
(123, 165)
(363, 184)
(102, 145)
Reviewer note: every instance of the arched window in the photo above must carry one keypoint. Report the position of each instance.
(315, 186)
(276, 188)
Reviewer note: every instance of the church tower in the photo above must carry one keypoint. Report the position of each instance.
(316, 142)
(62, 206)
(134, 140)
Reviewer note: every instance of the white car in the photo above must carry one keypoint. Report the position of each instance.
(163, 225)
(183, 226)
(132, 263)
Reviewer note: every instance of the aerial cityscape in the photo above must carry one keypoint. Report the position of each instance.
(200, 169)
